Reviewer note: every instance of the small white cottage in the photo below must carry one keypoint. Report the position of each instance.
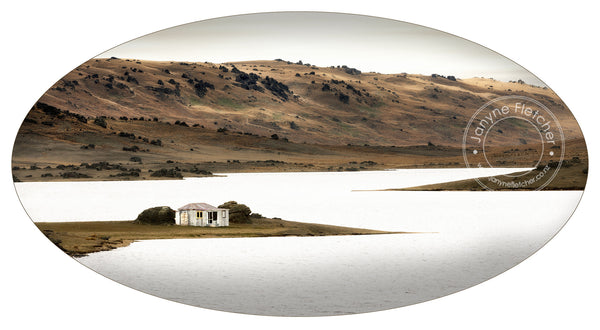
(203, 215)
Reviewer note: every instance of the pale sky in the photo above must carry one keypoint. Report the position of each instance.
(325, 39)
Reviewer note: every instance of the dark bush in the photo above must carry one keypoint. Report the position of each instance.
(100, 122)
(157, 216)
(132, 149)
(125, 174)
(344, 98)
(201, 87)
(74, 175)
(163, 91)
(351, 71)
(277, 88)
(127, 135)
(354, 90)
(248, 81)
(170, 173)
(132, 80)
(238, 213)
(275, 137)
(135, 159)
(48, 109)
(200, 171)
(79, 117)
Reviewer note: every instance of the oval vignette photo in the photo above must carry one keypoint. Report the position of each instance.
(268, 164)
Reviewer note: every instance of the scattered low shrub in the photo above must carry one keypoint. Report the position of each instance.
(74, 175)
(170, 173)
(344, 98)
(100, 122)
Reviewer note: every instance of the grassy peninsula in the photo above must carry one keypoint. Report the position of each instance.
(78, 239)
(572, 176)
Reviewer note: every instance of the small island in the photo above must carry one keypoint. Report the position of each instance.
(78, 239)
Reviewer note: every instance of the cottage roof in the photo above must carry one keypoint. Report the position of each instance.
(198, 207)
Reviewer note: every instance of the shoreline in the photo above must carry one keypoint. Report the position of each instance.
(572, 176)
(255, 171)
(78, 239)
(187, 175)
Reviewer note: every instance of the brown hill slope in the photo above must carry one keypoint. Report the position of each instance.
(115, 119)
(304, 103)
(57, 145)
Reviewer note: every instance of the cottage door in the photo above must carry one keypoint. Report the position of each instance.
(212, 218)
(184, 219)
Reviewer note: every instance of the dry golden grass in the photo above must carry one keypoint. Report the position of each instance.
(82, 238)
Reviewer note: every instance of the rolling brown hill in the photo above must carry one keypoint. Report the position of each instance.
(120, 119)
(304, 103)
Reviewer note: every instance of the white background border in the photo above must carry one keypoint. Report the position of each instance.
(556, 288)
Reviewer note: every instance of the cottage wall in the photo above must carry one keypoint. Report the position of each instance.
(194, 220)
(224, 217)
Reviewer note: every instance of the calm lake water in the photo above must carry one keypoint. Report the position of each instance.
(467, 237)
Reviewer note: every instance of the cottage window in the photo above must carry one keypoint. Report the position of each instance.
(198, 215)
(223, 213)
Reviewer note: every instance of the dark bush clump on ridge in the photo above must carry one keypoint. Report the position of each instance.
(277, 88)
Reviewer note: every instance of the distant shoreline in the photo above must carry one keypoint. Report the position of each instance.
(572, 176)
(78, 239)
